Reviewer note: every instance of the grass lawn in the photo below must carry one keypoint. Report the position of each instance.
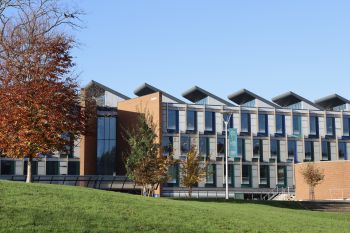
(55, 208)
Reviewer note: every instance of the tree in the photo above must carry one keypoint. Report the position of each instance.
(193, 170)
(39, 95)
(313, 176)
(144, 164)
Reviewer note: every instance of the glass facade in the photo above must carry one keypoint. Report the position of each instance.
(275, 149)
(258, 149)
(314, 126)
(330, 122)
(309, 150)
(346, 126)
(210, 122)
(326, 150)
(245, 123)
(185, 144)
(241, 148)
(263, 124)
(106, 145)
(342, 153)
(264, 175)
(297, 125)
(292, 150)
(204, 146)
(246, 175)
(173, 121)
(191, 121)
(280, 125)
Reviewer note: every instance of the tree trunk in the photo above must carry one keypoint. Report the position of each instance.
(190, 192)
(29, 170)
(312, 193)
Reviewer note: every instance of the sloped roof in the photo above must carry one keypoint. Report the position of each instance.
(243, 96)
(146, 89)
(196, 93)
(93, 82)
(289, 98)
(331, 101)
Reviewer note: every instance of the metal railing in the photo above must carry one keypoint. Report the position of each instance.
(96, 182)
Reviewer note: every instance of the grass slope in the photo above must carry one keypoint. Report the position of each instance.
(54, 208)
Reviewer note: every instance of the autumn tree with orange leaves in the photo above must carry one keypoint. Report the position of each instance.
(40, 110)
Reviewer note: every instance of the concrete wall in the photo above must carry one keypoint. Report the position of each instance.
(336, 184)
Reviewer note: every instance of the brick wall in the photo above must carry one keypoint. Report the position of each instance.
(336, 183)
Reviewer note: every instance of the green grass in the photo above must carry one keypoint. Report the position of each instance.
(55, 208)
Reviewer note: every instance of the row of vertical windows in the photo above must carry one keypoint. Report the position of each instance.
(275, 148)
(192, 122)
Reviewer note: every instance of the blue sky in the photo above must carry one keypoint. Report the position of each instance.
(266, 46)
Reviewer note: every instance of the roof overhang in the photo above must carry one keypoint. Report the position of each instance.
(243, 96)
(196, 93)
(105, 88)
(146, 89)
(331, 101)
(290, 98)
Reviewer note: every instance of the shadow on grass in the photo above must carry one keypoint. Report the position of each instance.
(279, 204)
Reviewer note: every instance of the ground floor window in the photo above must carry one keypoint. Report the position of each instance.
(34, 168)
(173, 173)
(282, 175)
(264, 176)
(211, 176)
(73, 168)
(52, 168)
(8, 167)
(230, 175)
(246, 175)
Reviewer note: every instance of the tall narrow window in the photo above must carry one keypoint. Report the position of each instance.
(211, 176)
(297, 125)
(230, 175)
(346, 126)
(264, 176)
(326, 150)
(245, 123)
(209, 122)
(258, 149)
(221, 146)
(191, 121)
(342, 154)
(185, 144)
(292, 150)
(241, 148)
(263, 124)
(280, 125)
(167, 145)
(309, 150)
(204, 144)
(246, 175)
(173, 174)
(173, 121)
(330, 122)
(282, 176)
(314, 126)
(275, 149)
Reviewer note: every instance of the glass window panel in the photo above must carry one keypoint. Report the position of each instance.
(264, 174)
(326, 150)
(313, 125)
(209, 121)
(211, 174)
(185, 144)
(241, 148)
(309, 150)
(172, 119)
(263, 123)
(52, 168)
(34, 167)
(246, 174)
(73, 168)
(113, 128)
(7, 167)
(257, 150)
(191, 120)
(245, 122)
(167, 145)
(100, 127)
(281, 174)
(292, 150)
(330, 126)
(204, 146)
(346, 126)
(280, 127)
(221, 146)
(106, 127)
(296, 124)
(342, 151)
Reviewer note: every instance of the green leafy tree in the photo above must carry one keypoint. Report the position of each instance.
(193, 170)
(144, 164)
(313, 176)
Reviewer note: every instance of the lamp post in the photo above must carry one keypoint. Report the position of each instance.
(227, 118)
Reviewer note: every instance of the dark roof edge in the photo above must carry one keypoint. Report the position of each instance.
(146, 85)
(93, 82)
(331, 97)
(196, 88)
(254, 95)
(297, 96)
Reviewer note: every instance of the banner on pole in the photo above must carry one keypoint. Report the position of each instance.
(233, 143)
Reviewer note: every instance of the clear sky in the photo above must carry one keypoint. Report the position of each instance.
(266, 46)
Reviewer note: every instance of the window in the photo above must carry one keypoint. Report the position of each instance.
(73, 168)
(309, 150)
(264, 176)
(246, 175)
(245, 123)
(314, 126)
(203, 101)
(326, 150)
(191, 121)
(204, 149)
(241, 148)
(7, 167)
(230, 175)
(173, 174)
(34, 167)
(292, 150)
(342, 151)
(346, 126)
(275, 149)
(185, 144)
(263, 124)
(211, 176)
(297, 125)
(340, 107)
(106, 145)
(295, 106)
(330, 122)
(280, 125)
(229, 125)
(173, 121)
(167, 145)
(52, 168)
(258, 149)
(221, 146)
(250, 104)
(281, 175)
(210, 122)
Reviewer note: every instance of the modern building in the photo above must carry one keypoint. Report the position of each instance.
(273, 136)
